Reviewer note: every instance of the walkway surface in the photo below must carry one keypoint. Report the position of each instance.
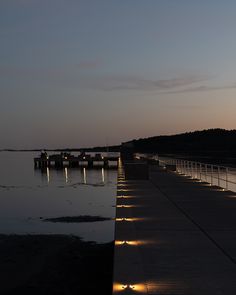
(174, 235)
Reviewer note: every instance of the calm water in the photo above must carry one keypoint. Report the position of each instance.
(28, 195)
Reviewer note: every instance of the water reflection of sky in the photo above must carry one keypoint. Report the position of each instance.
(28, 195)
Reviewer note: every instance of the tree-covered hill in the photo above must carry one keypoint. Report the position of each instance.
(206, 141)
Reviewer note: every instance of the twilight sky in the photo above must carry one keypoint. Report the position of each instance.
(78, 73)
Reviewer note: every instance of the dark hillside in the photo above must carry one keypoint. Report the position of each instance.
(212, 141)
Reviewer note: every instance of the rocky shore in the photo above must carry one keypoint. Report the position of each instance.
(55, 265)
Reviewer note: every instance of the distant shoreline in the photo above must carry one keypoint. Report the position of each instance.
(93, 150)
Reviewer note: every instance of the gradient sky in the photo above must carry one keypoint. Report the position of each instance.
(78, 73)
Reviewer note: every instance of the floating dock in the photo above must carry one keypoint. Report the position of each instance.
(68, 160)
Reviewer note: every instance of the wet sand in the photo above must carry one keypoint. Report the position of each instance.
(55, 265)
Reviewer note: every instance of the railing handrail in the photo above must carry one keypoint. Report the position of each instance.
(203, 171)
(208, 164)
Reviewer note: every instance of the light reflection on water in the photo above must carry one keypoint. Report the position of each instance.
(84, 175)
(27, 196)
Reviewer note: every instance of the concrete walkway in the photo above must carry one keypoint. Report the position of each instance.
(174, 236)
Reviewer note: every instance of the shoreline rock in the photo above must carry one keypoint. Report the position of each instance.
(75, 219)
(55, 265)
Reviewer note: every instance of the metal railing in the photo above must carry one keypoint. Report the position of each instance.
(221, 176)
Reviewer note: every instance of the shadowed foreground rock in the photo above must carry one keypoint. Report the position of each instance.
(44, 264)
(74, 219)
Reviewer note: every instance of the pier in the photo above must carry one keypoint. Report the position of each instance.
(68, 160)
(174, 235)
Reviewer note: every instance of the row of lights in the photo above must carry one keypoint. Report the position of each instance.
(124, 287)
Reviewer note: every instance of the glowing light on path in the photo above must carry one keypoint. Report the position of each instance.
(132, 287)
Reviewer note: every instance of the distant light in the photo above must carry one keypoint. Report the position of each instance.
(84, 158)
(65, 158)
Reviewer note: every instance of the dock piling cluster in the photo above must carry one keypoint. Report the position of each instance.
(67, 160)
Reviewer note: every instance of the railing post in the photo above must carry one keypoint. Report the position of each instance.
(226, 177)
(212, 170)
(200, 170)
(219, 176)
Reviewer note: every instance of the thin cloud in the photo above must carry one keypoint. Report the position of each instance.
(162, 86)
(74, 76)
(114, 83)
(201, 88)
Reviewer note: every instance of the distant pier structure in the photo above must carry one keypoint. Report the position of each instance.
(67, 160)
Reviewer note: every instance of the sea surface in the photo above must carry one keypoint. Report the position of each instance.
(29, 195)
